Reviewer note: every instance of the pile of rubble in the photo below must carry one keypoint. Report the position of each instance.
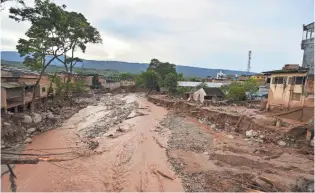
(19, 128)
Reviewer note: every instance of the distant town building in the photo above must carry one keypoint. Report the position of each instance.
(308, 46)
(221, 75)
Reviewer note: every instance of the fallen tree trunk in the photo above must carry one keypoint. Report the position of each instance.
(19, 161)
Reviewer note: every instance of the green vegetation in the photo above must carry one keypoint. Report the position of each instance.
(54, 32)
(236, 91)
(171, 83)
(127, 76)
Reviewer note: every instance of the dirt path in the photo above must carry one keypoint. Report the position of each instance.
(130, 156)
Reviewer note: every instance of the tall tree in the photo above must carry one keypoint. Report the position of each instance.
(75, 32)
(162, 68)
(41, 39)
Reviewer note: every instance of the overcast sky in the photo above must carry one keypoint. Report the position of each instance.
(202, 33)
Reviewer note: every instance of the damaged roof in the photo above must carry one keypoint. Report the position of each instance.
(17, 72)
(15, 84)
(301, 70)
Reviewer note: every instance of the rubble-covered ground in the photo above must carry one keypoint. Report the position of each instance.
(210, 160)
(123, 142)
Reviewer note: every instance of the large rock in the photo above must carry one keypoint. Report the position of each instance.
(249, 133)
(7, 124)
(27, 119)
(230, 136)
(31, 130)
(37, 118)
(28, 140)
(282, 143)
(50, 115)
(255, 133)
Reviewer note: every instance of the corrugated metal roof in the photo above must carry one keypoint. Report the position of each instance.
(194, 84)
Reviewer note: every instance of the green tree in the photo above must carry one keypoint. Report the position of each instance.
(127, 76)
(75, 32)
(250, 86)
(236, 92)
(180, 77)
(171, 83)
(149, 79)
(162, 68)
(39, 42)
(194, 79)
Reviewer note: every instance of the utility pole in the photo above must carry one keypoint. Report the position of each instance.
(248, 65)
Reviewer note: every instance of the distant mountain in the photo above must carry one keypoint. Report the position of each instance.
(135, 68)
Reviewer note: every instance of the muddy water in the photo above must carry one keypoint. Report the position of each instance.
(130, 159)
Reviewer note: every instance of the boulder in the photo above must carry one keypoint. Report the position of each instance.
(7, 124)
(249, 133)
(27, 119)
(230, 136)
(213, 126)
(28, 140)
(312, 143)
(255, 133)
(282, 143)
(261, 136)
(206, 153)
(50, 115)
(37, 118)
(31, 130)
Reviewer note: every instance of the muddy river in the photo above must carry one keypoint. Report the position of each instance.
(125, 143)
(128, 157)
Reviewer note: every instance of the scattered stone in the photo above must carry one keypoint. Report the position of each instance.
(50, 115)
(6, 124)
(213, 126)
(282, 143)
(31, 130)
(37, 118)
(28, 140)
(27, 119)
(206, 153)
(230, 136)
(249, 133)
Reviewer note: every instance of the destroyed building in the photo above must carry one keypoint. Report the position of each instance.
(290, 87)
(307, 45)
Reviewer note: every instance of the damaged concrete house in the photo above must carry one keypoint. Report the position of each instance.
(290, 87)
(17, 86)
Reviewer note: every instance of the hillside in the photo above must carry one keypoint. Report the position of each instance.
(119, 66)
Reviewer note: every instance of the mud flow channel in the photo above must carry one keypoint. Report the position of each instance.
(112, 146)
